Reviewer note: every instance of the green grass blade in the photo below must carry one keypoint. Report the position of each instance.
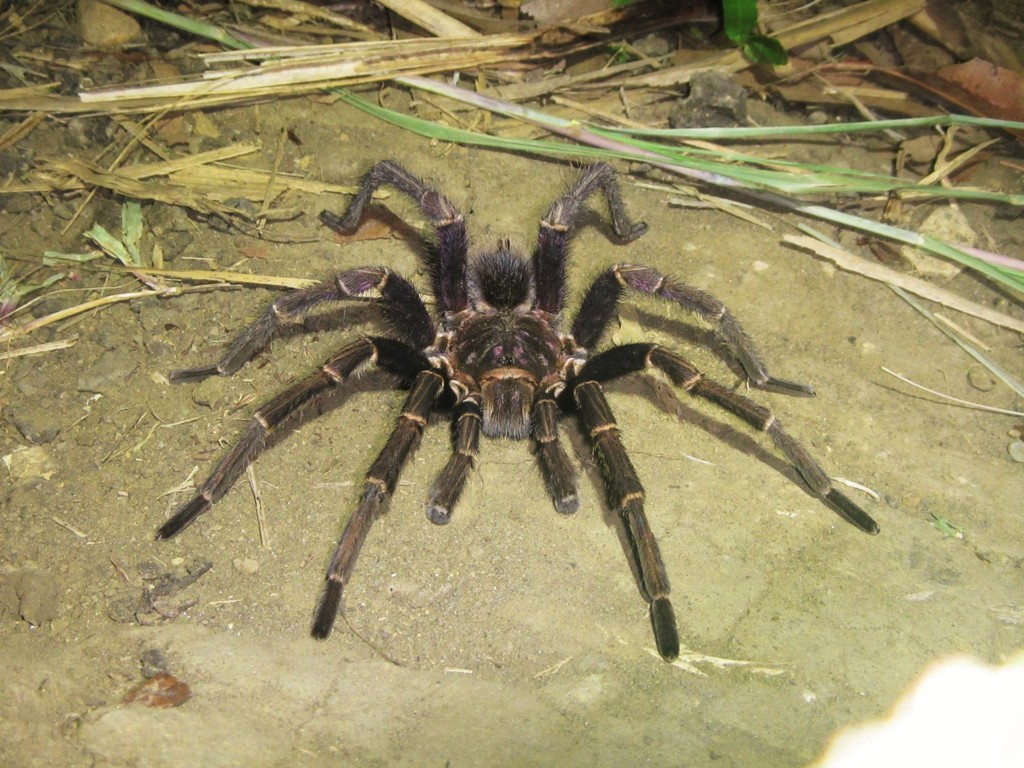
(778, 131)
(995, 370)
(177, 21)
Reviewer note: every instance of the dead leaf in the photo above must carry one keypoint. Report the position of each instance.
(382, 224)
(161, 691)
(1002, 89)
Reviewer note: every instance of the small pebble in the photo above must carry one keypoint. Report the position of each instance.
(980, 379)
(29, 465)
(246, 566)
(154, 662)
(654, 45)
(39, 597)
(1016, 451)
(37, 422)
(108, 373)
(106, 27)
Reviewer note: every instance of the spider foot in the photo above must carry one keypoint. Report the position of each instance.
(184, 517)
(327, 610)
(186, 375)
(639, 229)
(567, 505)
(438, 514)
(666, 635)
(784, 387)
(339, 224)
(850, 512)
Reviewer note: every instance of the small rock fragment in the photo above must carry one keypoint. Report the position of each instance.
(112, 369)
(246, 566)
(715, 100)
(654, 45)
(38, 596)
(37, 422)
(105, 27)
(1016, 451)
(948, 224)
(981, 379)
(29, 465)
(154, 662)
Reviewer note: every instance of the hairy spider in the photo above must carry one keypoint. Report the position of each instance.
(495, 355)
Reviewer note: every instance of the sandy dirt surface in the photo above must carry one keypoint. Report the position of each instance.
(514, 635)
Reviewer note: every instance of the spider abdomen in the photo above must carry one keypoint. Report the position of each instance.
(507, 399)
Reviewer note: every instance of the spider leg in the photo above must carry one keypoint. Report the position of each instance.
(601, 302)
(556, 228)
(626, 495)
(631, 358)
(466, 421)
(380, 484)
(402, 305)
(559, 473)
(453, 245)
(387, 353)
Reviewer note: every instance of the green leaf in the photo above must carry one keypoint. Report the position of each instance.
(51, 258)
(131, 229)
(949, 529)
(110, 245)
(761, 49)
(620, 54)
(12, 290)
(739, 17)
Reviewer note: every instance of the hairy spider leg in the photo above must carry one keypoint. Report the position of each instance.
(401, 304)
(449, 269)
(556, 229)
(467, 417)
(391, 355)
(633, 358)
(558, 471)
(626, 495)
(380, 484)
(601, 303)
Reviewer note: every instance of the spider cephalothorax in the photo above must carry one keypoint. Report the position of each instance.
(501, 342)
(495, 356)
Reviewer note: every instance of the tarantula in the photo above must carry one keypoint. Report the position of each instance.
(495, 354)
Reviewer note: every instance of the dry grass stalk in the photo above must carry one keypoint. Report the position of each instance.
(298, 8)
(429, 18)
(846, 260)
(198, 181)
(287, 71)
(234, 278)
(17, 132)
(14, 331)
(26, 91)
(516, 92)
(419, 46)
(37, 349)
(846, 25)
